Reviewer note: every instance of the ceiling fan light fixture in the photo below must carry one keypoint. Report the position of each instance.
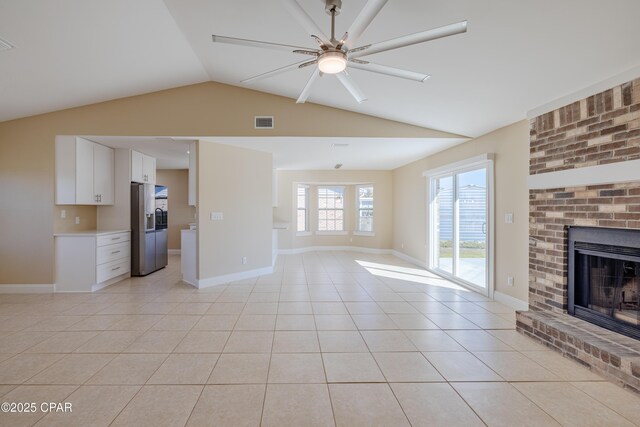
(332, 62)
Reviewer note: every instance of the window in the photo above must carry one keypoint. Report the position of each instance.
(330, 209)
(364, 206)
(302, 198)
(460, 222)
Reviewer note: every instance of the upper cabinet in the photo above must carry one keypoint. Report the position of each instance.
(192, 174)
(143, 168)
(84, 172)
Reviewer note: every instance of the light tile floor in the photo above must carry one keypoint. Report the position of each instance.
(331, 338)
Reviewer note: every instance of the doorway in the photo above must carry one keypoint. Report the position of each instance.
(460, 224)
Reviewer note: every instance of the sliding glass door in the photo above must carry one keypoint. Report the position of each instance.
(459, 227)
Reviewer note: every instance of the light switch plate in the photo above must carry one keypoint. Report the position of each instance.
(216, 216)
(508, 218)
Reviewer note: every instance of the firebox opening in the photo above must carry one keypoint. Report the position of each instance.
(604, 278)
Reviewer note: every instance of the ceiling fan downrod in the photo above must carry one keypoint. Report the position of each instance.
(333, 7)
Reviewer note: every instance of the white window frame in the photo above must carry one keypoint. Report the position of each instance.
(307, 230)
(482, 161)
(318, 209)
(357, 231)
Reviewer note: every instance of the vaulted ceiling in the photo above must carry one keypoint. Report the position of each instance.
(515, 56)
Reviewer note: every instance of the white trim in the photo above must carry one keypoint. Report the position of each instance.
(591, 175)
(175, 251)
(408, 258)
(27, 289)
(334, 248)
(332, 233)
(462, 164)
(358, 232)
(510, 301)
(227, 278)
(307, 208)
(601, 86)
(485, 160)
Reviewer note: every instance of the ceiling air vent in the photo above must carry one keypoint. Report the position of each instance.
(5, 45)
(263, 122)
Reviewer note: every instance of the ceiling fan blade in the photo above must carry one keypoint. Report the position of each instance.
(273, 72)
(389, 71)
(421, 37)
(362, 21)
(305, 20)
(307, 88)
(256, 43)
(350, 85)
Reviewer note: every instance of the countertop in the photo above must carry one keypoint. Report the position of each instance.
(89, 233)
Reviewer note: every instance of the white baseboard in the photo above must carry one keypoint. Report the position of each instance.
(226, 278)
(333, 248)
(510, 301)
(410, 259)
(27, 289)
(174, 251)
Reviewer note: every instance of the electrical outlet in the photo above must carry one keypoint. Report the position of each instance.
(508, 218)
(402, 245)
(63, 213)
(77, 220)
(244, 260)
(216, 216)
(510, 281)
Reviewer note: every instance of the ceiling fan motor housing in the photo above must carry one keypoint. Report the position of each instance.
(330, 5)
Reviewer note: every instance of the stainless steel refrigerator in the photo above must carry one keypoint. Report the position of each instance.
(148, 245)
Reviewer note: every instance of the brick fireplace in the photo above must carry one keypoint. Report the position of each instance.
(601, 136)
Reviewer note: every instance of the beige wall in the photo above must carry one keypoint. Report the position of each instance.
(180, 213)
(382, 182)
(236, 182)
(87, 216)
(511, 147)
(27, 212)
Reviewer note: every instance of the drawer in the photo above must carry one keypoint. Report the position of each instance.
(109, 239)
(112, 269)
(113, 252)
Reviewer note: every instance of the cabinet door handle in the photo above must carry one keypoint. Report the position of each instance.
(115, 238)
(115, 252)
(114, 269)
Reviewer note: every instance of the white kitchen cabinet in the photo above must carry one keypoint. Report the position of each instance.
(137, 175)
(84, 172)
(143, 168)
(88, 261)
(149, 169)
(192, 174)
(103, 175)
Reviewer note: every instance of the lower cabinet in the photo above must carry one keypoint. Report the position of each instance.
(89, 261)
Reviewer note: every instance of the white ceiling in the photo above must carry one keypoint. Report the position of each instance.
(361, 153)
(516, 55)
(76, 52)
(292, 153)
(170, 153)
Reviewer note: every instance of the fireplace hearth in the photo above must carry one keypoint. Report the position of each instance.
(604, 278)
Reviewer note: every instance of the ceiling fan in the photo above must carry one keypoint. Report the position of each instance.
(334, 56)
